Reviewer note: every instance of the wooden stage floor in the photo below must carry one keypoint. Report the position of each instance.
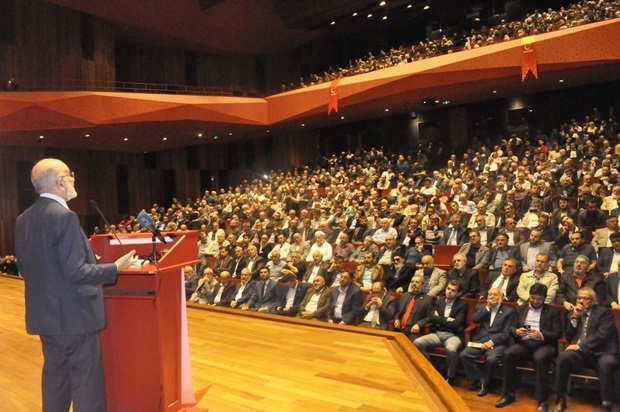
(249, 363)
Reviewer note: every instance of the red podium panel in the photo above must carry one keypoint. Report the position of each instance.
(146, 333)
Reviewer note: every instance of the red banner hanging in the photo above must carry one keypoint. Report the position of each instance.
(333, 97)
(528, 58)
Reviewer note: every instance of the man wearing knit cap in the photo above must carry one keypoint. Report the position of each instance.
(571, 283)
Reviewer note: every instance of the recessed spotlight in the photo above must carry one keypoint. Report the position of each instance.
(341, 117)
(354, 14)
(494, 91)
(230, 134)
(41, 137)
(384, 18)
(531, 110)
(199, 134)
(126, 139)
(427, 7)
(86, 135)
(216, 137)
(369, 15)
(409, 6)
(383, 3)
(387, 110)
(303, 125)
(561, 80)
(333, 23)
(165, 138)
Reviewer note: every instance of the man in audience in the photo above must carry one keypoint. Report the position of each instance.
(536, 328)
(400, 275)
(414, 308)
(593, 338)
(266, 293)
(570, 252)
(530, 250)
(506, 280)
(239, 262)
(501, 251)
(255, 262)
(601, 238)
(468, 278)
(366, 246)
(318, 267)
(368, 272)
(292, 295)
(457, 234)
(449, 319)
(379, 308)
(223, 262)
(320, 245)
(577, 279)
(223, 292)
(346, 300)
(477, 255)
(540, 274)
(491, 338)
(300, 246)
(434, 278)
(295, 266)
(276, 265)
(243, 291)
(281, 246)
(344, 249)
(317, 302)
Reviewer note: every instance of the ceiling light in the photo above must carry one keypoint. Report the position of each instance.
(199, 134)
(494, 91)
(303, 125)
(384, 18)
(561, 81)
(341, 117)
(165, 138)
(230, 134)
(387, 110)
(369, 15)
(41, 137)
(126, 139)
(383, 3)
(354, 14)
(333, 23)
(86, 135)
(427, 7)
(216, 137)
(409, 6)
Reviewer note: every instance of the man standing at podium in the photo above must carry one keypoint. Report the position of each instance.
(64, 295)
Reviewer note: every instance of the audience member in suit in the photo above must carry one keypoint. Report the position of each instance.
(64, 294)
(346, 300)
(434, 278)
(379, 308)
(361, 230)
(516, 237)
(292, 295)
(448, 320)
(239, 262)
(255, 261)
(477, 254)
(368, 273)
(316, 268)
(612, 288)
(487, 232)
(593, 338)
(307, 232)
(264, 247)
(592, 216)
(366, 246)
(205, 287)
(224, 291)
(400, 276)
(606, 255)
(578, 279)
(501, 251)
(529, 251)
(570, 252)
(506, 280)
(295, 266)
(567, 228)
(602, 236)
(266, 293)
(494, 319)
(223, 262)
(536, 328)
(191, 281)
(317, 302)
(243, 290)
(563, 209)
(457, 234)
(469, 278)
(414, 309)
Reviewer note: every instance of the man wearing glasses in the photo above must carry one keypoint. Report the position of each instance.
(593, 338)
(64, 295)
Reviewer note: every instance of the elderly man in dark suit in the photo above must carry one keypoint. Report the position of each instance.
(64, 294)
(345, 300)
(243, 290)
(490, 340)
(414, 308)
(593, 338)
(449, 319)
(223, 293)
(536, 328)
(379, 308)
(606, 255)
(579, 278)
(506, 279)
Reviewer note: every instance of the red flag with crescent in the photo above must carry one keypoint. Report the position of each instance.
(333, 97)
(528, 59)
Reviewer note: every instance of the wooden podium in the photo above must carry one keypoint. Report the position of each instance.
(144, 344)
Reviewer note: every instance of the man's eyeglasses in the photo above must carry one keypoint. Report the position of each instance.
(71, 175)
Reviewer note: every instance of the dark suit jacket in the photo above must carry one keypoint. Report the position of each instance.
(242, 263)
(386, 311)
(511, 288)
(611, 287)
(499, 331)
(458, 313)
(352, 301)
(300, 293)
(419, 314)
(601, 336)
(265, 250)
(323, 267)
(462, 236)
(567, 290)
(401, 277)
(550, 323)
(227, 294)
(63, 281)
(323, 306)
(223, 265)
(247, 292)
(259, 262)
(309, 235)
(270, 298)
(470, 281)
(513, 252)
(603, 263)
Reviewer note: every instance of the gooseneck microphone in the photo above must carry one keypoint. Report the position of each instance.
(146, 221)
(94, 205)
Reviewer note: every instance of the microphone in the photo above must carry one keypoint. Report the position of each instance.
(94, 205)
(146, 221)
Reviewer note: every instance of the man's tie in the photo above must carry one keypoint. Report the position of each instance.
(403, 322)
(501, 283)
(265, 288)
(375, 317)
(584, 328)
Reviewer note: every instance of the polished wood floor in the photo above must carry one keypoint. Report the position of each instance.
(242, 363)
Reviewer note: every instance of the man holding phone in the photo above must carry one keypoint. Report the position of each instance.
(536, 328)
